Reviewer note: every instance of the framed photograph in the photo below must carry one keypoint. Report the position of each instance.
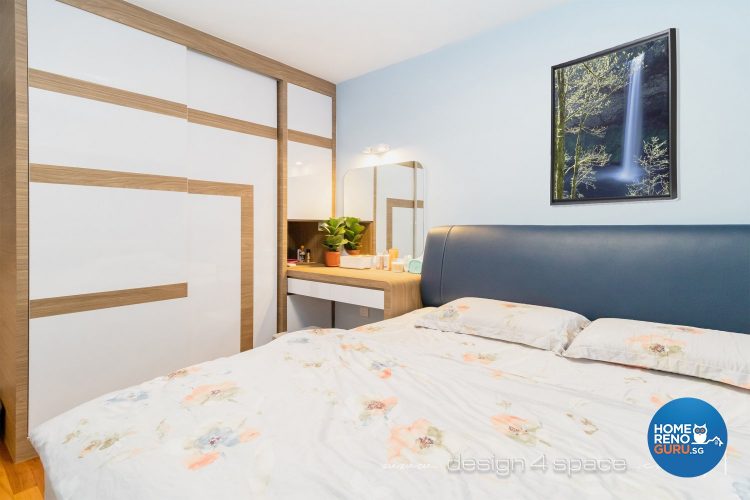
(614, 121)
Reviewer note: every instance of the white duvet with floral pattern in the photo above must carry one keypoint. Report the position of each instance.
(383, 412)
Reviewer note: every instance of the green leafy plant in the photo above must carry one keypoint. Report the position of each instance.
(353, 233)
(335, 229)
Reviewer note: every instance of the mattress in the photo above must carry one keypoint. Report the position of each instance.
(387, 410)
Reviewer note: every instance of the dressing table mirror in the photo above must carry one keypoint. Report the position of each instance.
(391, 198)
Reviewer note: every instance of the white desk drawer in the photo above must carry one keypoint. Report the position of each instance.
(339, 293)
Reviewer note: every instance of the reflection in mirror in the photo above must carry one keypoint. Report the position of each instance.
(392, 198)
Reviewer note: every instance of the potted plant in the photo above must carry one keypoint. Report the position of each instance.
(335, 230)
(353, 235)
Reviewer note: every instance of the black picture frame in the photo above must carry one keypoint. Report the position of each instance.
(671, 37)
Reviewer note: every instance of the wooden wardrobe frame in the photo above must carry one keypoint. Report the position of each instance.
(14, 174)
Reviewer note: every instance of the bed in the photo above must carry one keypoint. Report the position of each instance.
(389, 410)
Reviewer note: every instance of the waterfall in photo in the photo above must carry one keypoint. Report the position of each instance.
(631, 142)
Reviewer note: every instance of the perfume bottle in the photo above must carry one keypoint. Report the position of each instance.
(392, 255)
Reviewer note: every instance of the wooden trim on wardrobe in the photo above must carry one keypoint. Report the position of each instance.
(281, 204)
(374, 225)
(219, 188)
(150, 22)
(80, 88)
(109, 178)
(54, 306)
(311, 139)
(246, 271)
(333, 155)
(111, 95)
(55, 174)
(14, 227)
(228, 123)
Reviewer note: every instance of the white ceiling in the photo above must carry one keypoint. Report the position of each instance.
(341, 39)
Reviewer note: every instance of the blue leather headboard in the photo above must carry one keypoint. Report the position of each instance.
(689, 275)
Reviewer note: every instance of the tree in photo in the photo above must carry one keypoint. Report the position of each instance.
(590, 158)
(583, 91)
(655, 164)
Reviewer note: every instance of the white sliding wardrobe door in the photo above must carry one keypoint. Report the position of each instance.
(310, 154)
(359, 193)
(309, 184)
(77, 357)
(222, 88)
(236, 146)
(88, 239)
(108, 205)
(78, 132)
(214, 277)
(309, 112)
(71, 42)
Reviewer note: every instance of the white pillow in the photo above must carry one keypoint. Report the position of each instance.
(709, 354)
(543, 327)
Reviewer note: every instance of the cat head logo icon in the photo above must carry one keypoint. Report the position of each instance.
(699, 434)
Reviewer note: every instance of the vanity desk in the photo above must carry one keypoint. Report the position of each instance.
(389, 200)
(394, 293)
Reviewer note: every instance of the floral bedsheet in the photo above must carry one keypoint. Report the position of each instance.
(386, 411)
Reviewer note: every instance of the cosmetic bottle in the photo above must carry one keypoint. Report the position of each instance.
(379, 262)
(392, 254)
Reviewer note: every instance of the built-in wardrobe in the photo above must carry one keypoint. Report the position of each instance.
(154, 187)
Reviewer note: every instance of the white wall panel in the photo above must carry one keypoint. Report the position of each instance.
(72, 42)
(86, 239)
(245, 159)
(67, 130)
(76, 357)
(226, 89)
(309, 111)
(214, 276)
(309, 189)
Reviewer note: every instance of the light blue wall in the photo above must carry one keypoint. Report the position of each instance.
(477, 114)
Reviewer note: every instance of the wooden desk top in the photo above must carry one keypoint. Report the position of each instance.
(364, 278)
